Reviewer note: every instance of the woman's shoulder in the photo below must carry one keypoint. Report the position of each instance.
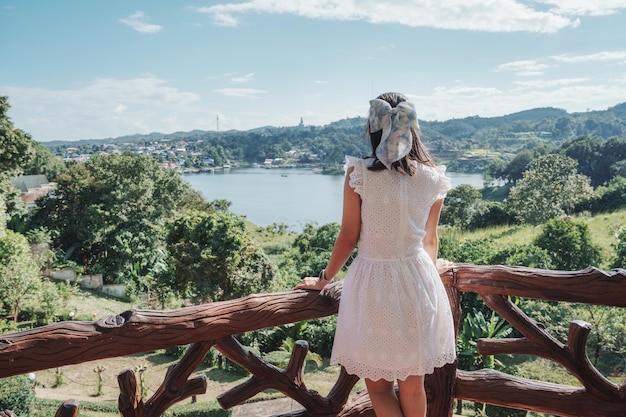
(352, 161)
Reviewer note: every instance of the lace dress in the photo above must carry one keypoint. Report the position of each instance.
(394, 316)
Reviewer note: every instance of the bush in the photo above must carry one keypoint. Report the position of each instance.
(46, 407)
(569, 244)
(204, 409)
(43, 407)
(523, 255)
(494, 214)
(495, 411)
(320, 334)
(16, 394)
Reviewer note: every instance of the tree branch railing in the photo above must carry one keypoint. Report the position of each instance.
(213, 325)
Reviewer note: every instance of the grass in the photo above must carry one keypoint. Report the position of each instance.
(602, 228)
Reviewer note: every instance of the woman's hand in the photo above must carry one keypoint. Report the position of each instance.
(443, 265)
(311, 283)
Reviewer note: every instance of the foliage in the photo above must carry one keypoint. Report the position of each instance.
(211, 257)
(288, 345)
(549, 188)
(43, 162)
(109, 214)
(15, 144)
(49, 303)
(14, 205)
(609, 197)
(598, 159)
(620, 248)
(17, 394)
(19, 271)
(320, 334)
(523, 255)
(45, 407)
(462, 204)
(608, 335)
(313, 248)
(476, 326)
(472, 251)
(569, 245)
(492, 214)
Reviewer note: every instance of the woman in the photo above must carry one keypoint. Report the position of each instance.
(394, 321)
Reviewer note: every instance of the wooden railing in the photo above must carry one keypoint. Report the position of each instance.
(214, 325)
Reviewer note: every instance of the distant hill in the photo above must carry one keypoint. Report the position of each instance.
(542, 122)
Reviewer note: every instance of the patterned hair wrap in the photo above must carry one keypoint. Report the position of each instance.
(396, 123)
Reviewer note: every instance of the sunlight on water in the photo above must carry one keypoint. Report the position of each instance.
(291, 196)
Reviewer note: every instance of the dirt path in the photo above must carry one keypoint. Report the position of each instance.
(266, 408)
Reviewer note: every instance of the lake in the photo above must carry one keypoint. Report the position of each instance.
(282, 195)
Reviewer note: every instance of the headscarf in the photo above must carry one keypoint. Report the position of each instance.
(396, 123)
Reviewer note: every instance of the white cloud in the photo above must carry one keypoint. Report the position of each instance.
(241, 92)
(569, 94)
(224, 19)
(478, 15)
(585, 7)
(138, 22)
(104, 108)
(597, 57)
(243, 79)
(550, 83)
(524, 68)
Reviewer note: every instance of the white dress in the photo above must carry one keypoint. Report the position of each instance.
(394, 316)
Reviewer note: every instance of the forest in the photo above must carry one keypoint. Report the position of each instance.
(550, 177)
(464, 145)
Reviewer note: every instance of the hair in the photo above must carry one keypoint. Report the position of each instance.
(418, 151)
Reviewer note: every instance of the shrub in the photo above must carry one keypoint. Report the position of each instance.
(203, 409)
(320, 334)
(16, 394)
(569, 244)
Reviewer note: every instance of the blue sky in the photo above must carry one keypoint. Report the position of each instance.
(76, 69)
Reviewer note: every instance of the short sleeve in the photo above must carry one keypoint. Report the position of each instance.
(356, 176)
(444, 184)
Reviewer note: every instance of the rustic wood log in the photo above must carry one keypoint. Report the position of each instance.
(288, 381)
(497, 388)
(137, 331)
(539, 342)
(69, 408)
(590, 285)
(175, 387)
(7, 413)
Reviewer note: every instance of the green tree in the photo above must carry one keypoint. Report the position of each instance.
(19, 271)
(620, 248)
(14, 205)
(109, 214)
(17, 395)
(550, 188)
(16, 150)
(569, 245)
(44, 162)
(461, 205)
(313, 248)
(514, 171)
(212, 258)
(15, 144)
